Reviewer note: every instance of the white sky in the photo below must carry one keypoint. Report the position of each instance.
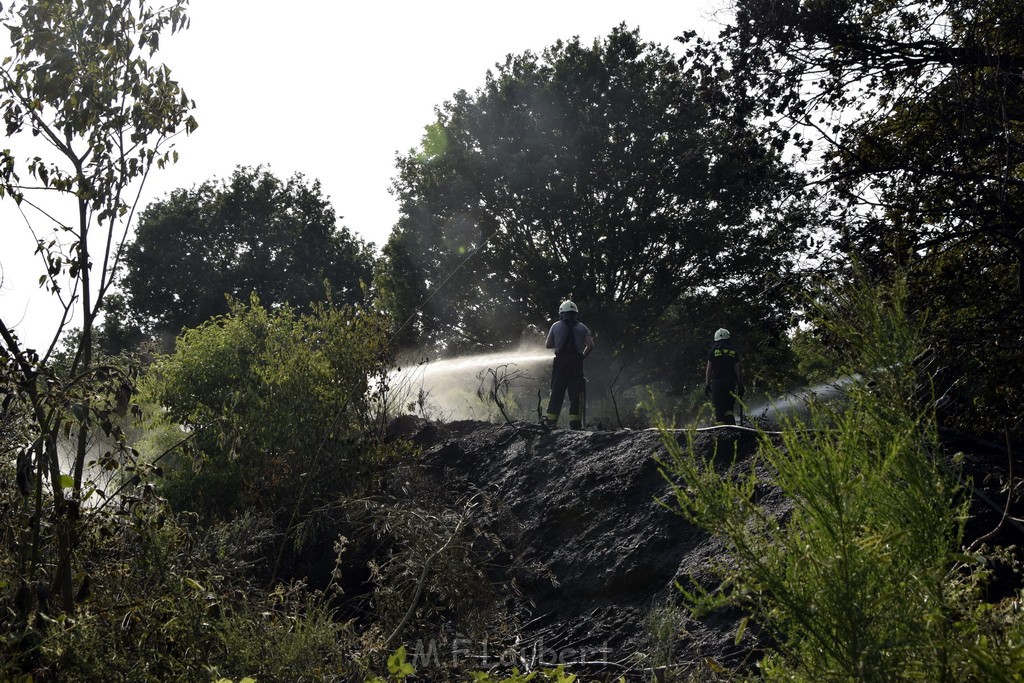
(334, 90)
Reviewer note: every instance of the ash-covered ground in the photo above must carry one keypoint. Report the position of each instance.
(595, 513)
(592, 513)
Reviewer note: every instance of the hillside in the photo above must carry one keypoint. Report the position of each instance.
(587, 505)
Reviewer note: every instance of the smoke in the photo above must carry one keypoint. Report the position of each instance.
(97, 481)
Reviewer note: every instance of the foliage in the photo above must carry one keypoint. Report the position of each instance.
(918, 104)
(169, 601)
(977, 332)
(596, 170)
(665, 628)
(399, 669)
(79, 79)
(252, 233)
(864, 579)
(452, 558)
(281, 402)
(910, 116)
(271, 400)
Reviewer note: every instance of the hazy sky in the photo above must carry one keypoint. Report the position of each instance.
(334, 90)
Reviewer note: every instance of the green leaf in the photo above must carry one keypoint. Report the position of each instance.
(741, 629)
(66, 481)
(393, 660)
(968, 559)
(397, 665)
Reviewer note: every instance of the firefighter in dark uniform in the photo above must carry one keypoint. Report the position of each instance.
(571, 341)
(722, 379)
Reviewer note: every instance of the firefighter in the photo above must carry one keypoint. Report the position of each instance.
(572, 342)
(723, 382)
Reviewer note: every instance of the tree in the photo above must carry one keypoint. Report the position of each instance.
(598, 171)
(250, 233)
(80, 80)
(911, 115)
(932, 98)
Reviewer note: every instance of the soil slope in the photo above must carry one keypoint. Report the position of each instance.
(590, 507)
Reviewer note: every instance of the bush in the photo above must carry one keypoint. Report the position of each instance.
(284, 407)
(864, 580)
(171, 603)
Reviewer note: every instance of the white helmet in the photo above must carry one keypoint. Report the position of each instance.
(568, 306)
(721, 334)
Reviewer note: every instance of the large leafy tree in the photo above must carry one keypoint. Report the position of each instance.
(913, 117)
(252, 233)
(918, 108)
(94, 115)
(600, 171)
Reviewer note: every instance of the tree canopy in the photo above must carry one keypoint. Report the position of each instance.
(250, 233)
(598, 171)
(910, 115)
(919, 106)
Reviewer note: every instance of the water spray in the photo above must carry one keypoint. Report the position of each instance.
(449, 383)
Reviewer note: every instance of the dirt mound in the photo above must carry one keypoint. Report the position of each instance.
(591, 513)
(589, 503)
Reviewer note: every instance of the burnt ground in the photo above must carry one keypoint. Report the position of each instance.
(588, 508)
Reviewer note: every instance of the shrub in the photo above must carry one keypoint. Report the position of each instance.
(284, 406)
(864, 580)
(169, 602)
